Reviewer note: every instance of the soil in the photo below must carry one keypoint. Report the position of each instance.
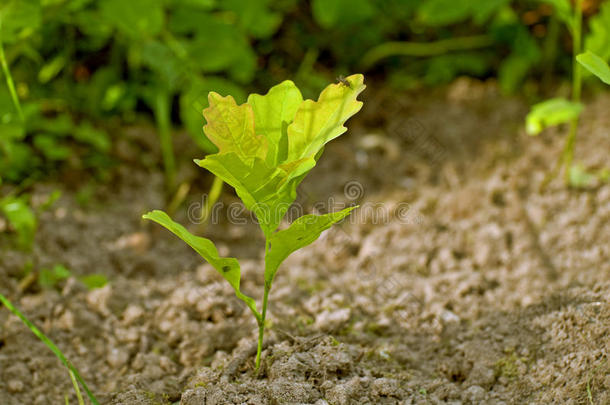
(458, 281)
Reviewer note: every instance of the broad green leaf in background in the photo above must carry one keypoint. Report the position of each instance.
(551, 112)
(443, 12)
(329, 13)
(318, 122)
(228, 267)
(214, 44)
(595, 65)
(300, 233)
(254, 17)
(273, 112)
(137, 19)
(446, 12)
(598, 39)
(18, 19)
(160, 58)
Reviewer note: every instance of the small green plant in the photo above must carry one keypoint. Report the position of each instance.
(21, 218)
(266, 147)
(558, 111)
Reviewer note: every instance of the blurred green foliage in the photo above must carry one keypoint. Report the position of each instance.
(84, 67)
(21, 219)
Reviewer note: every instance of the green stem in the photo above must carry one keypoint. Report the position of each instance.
(49, 344)
(213, 197)
(568, 151)
(261, 323)
(422, 49)
(9, 79)
(79, 397)
(549, 55)
(162, 116)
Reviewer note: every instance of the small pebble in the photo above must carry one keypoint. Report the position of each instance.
(15, 386)
(117, 358)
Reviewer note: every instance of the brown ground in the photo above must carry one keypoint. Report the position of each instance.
(457, 281)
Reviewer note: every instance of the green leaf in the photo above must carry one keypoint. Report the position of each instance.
(228, 267)
(300, 233)
(595, 65)
(598, 39)
(137, 19)
(93, 281)
(446, 12)
(231, 128)
(194, 99)
(262, 154)
(549, 113)
(267, 191)
(48, 278)
(318, 122)
(22, 219)
(253, 183)
(255, 17)
(329, 13)
(19, 19)
(273, 112)
(579, 177)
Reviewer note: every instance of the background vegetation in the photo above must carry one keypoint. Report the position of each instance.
(82, 69)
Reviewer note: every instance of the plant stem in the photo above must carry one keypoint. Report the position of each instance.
(213, 197)
(79, 397)
(568, 151)
(162, 116)
(261, 324)
(421, 49)
(9, 79)
(49, 344)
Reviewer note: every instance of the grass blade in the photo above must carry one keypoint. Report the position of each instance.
(50, 345)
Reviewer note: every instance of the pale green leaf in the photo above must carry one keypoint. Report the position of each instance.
(49, 278)
(273, 112)
(231, 128)
(21, 217)
(580, 177)
(228, 267)
(266, 191)
(595, 65)
(194, 99)
(318, 122)
(300, 233)
(94, 281)
(549, 113)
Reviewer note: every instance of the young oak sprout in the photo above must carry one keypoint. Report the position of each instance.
(266, 147)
